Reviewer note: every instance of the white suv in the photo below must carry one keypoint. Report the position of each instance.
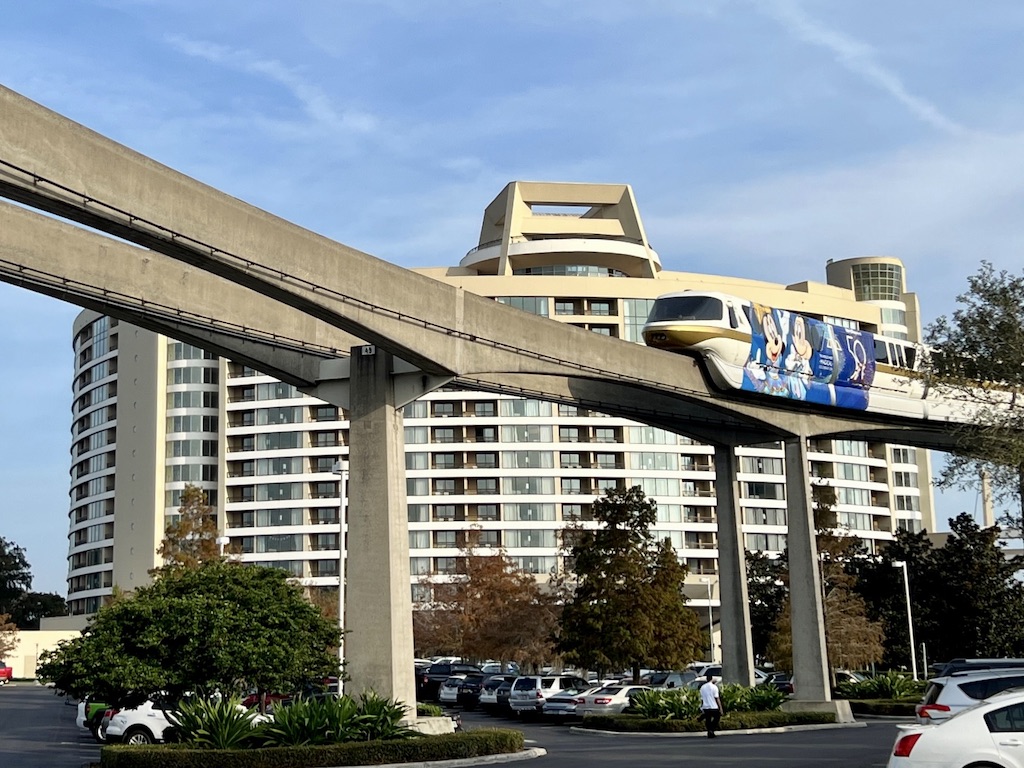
(529, 692)
(945, 696)
(144, 724)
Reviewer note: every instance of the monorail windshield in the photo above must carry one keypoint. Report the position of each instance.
(668, 308)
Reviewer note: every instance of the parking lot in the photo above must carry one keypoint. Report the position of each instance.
(38, 731)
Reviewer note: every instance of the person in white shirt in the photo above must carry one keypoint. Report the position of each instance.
(711, 705)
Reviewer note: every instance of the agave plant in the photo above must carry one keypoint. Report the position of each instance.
(214, 723)
(382, 718)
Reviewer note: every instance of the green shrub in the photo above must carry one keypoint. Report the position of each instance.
(381, 718)
(213, 724)
(425, 748)
(890, 685)
(426, 709)
(684, 703)
(314, 721)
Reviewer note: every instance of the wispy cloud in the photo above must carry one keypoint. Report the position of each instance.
(859, 58)
(315, 103)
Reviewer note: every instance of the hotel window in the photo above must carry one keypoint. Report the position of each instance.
(487, 485)
(417, 461)
(564, 307)
(487, 512)
(484, 410)
(445, 539)
(485, 434)
(415, 435)
(488, 538)
(570, 460)
(760, 465)
(568, 434)
(418, 513)
(535, 305)
(904, 455)
(486, 460)
(572, 486)
(415, 410)
(444, 435)
(600, 308)
(444, 487)
(444, 512)
(444, 409)
(605, 435)
(754, 490)
(905, 479)
(444, 461)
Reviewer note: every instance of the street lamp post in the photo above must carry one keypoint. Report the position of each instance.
(711, 634)
(910, 618)
(341, 470)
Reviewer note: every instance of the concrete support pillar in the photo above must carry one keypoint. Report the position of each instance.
(737, 649)
(378, 617)
(810, 660)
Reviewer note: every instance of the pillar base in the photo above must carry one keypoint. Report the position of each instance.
(431, 726)
(839, 707)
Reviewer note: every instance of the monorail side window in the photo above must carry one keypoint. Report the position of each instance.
(686, 308)
(733, 321)
(881, 351)
(911, 357)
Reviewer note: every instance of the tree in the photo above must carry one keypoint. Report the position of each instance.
(215, 626)
(627, 609)
(8, 635)
(766, 592)
(33, 606)
(492, 609)
(966, 600)
(15, 575)
(983, 341)
(192, 538)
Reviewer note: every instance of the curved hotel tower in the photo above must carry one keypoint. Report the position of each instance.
(151, 415)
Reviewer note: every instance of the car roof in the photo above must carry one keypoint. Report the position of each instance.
(976, 674)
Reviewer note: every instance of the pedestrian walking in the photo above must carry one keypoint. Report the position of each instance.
(711, 705)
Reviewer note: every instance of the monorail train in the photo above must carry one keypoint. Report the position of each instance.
(754, 348)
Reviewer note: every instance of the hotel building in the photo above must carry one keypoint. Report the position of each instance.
(151, 415)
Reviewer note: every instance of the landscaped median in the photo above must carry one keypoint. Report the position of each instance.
(413, 750)
(678, 711)
(731, 721)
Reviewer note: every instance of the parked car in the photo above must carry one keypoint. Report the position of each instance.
(947, 695)
(563, 705)
(494, 668)
(6, 673)
(669, 679)
(530, 691)
(428, 681)
(965, 665)
(760, 676)
(144, 724)
(610, 700)
(990, 733)
(470, 689)
(448, 693)
(90, 717)
(783, 681)
(488, 700)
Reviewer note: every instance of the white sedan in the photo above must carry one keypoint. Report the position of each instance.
(991, 733)
(448, 693)
(610, 700)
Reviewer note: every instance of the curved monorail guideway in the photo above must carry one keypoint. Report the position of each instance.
(199, 265)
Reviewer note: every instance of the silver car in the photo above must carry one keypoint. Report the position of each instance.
(529, 692)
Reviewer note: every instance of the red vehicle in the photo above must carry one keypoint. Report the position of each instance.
(6, 673)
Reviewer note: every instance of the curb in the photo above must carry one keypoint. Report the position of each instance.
(509, 757)
(733, 732)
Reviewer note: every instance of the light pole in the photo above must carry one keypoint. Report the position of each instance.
(711, 634)
(341, 470)
(910, 618)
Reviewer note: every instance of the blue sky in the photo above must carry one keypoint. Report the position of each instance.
(761, 137)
